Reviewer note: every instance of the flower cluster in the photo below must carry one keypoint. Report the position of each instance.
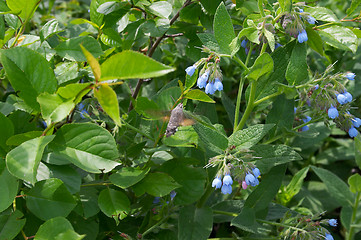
(245, 173)
(294, 24)
(210, 76)
(331, 97)
(306, 227)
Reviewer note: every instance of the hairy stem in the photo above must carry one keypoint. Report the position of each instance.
(353, 218)
(250, 106)
(238, 103)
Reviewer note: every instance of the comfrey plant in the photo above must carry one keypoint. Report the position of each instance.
(163, 119)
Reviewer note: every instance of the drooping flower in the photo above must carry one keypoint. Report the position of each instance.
(244, 43)
(300, 10)
(277, 45)
(348, 96)
(227, 180)
(341, 98)
(251, 180)
(305, 120)
(217, 182)
(256, 172)
(350, 76)
(328, 236)
(226, 189)
(218, 86)
(244, 185)
(311, 20)
(332, 222)
(83, 111)
(332, 112)
(356, 122)
(302, 36)
(210, 88)
(202, 80)
(317, 86)
(352, 132)
(190, 70)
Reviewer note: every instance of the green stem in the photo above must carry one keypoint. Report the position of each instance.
(264, 47)
(238, 104)
(353, 218)
(242, 64)
(250, 106)
(267, 98)
(137, 130)
(97, 184)
(281, 225)
(225, 213)
(154, 226)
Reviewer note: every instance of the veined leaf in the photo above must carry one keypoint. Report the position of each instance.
(109, 102)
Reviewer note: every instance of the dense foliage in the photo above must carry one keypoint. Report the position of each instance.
(180, 119)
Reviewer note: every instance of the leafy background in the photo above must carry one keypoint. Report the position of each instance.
(83, 85)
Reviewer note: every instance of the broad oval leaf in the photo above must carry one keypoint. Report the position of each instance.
(50, 198)
(29, 73)
(194, 223)
(339, 37)
(262, 66)
(11, 224)
(23, 161)
(25, 7)
(199, 95)
(109, 102)
(113, 203)
(297, 73)
(162, 9)
(70, 49)
(88, 146)
(6, 131)
(56, 228)
(130, 64)
(127, 177)
(8, 187)
(156, 184)
(337, 188)
(323, 14)
(249, 137)
(223, 29)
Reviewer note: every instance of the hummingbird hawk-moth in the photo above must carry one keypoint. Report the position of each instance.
(177, 119)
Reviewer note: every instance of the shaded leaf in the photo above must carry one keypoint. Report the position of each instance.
(57, 228)
(8, 188)
(199, 95)
(109, 102)
(128, 176)
(194, 223)
(11, 224)
(113, 203)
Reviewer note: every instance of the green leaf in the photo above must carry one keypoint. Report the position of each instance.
(294, 186)
(89, 201)
(209, 41)
(49, 29)
(211, 137)
(248, 137)
(339, 37)
(194, 223)
(353, 7)
(251, 33)
(26, 8)
(337, 188)
(269, 185)
(70, 49)
(94, 64)
(109, 7)
(56, 229)
(147, 108)
(263, 66)
(297, 73)
(88, 146)
(18, 139)
(192, 180)
(114, 204)
(95, 16)
(199, 95)
(273, 155)
(8, 187)
(109, 102)
(281, 107)
(246, 220)
(6, 131)
(357, 142)
(156, 184)
(322, 14)
(210, 6)
(50, 198)
(128, 176)
(315, 41)
(74, 90)
(162, 9)
(54, 108)
(355, 183)
(23, 161)
(29, 73)
(185, 136)
(191, 80)
(129, 64)
(11, 225)
(223, 29)
(270, 39)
